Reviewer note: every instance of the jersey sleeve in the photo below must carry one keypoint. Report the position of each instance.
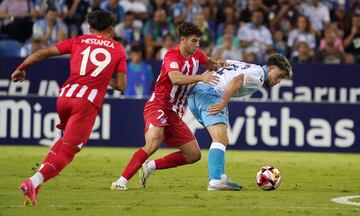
(121, 67)
(65, 46)
(171, 63)
(202, 57)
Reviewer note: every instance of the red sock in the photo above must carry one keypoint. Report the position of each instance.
(57, 163)
(53, 151)
(135, 163)
(171, 160)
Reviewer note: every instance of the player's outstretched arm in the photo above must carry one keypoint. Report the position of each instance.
(120, 82)
(177, 78)
(19, 73)
(230, 90)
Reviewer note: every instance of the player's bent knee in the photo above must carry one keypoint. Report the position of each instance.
(193, 158)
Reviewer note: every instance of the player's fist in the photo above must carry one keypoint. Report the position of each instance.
(209, 77)
(18, 75)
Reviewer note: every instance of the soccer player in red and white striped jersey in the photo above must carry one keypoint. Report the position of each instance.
(94, 59)
(164, 109)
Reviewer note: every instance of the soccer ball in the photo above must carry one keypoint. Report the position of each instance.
(268, 178)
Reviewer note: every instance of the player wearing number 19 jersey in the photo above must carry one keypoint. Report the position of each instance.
(93, 61)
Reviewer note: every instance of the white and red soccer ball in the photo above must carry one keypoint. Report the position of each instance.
(268, 178)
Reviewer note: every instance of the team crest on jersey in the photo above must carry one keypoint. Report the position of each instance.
(249, 79)
(162, 119)
(174, 65)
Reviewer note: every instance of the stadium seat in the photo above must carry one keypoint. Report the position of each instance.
(10, 48)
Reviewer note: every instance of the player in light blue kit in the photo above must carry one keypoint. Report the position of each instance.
(208, 103)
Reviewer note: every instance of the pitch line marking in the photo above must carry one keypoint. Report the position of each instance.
(345, 200)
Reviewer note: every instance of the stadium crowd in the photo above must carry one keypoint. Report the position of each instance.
(309, 31)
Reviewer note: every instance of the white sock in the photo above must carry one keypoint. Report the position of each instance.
(224, 176)
(121, 181)
(151, 166)
(213, 182)
(37, 179)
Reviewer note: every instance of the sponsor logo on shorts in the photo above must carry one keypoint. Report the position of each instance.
(162, 120)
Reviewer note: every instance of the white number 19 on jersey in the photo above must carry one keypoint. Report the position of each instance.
(100, 64)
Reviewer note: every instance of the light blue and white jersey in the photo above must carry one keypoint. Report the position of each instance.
(254, 77)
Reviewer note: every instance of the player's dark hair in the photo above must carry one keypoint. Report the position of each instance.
(187, 29)
(101, 20)
(281, 62)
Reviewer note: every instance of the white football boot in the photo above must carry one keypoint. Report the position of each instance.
(144, 174)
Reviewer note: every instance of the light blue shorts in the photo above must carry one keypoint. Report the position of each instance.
(200, 98)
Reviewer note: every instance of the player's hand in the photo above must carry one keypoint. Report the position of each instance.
(216, 108)
(222, 63)
(209, 77)
(18, 75)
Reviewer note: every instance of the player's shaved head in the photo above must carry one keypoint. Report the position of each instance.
(101, 20)
(281, 62)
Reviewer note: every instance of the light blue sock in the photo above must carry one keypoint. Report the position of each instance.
(216, 160)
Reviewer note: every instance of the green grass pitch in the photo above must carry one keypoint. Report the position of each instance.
(309, 182)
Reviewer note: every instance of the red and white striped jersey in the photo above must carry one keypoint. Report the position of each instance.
(93, 60)
(174, 97)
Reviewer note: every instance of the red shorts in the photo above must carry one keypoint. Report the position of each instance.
(176, 132)
(77, 118)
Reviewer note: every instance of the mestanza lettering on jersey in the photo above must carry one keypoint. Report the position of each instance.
(254, 77)
(174, 97)
(93, 60)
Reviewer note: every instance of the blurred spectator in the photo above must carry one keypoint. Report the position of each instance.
(283, 17)
(207, 38)
(139, 75)
(331, 48)
(186, 10)
(227, 50)
(279, 43)
(41, 6)
(114, 7)
(210, 9)
(298, 5)
(50, 29)
(129, 31)
(318, 14)
(35, 43)
(95, 5)
(352, 38)
(304, 56)
(355, 6)
(206, 10)
(137, 7)
(255, 37)
(303, 33)
(156, 4)
(169, 41)
(254, 5)
(16, 17)
(339, 17)
(229, 28)
(76, 15)
(229, 18)
(154, 31)
(331, 39)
